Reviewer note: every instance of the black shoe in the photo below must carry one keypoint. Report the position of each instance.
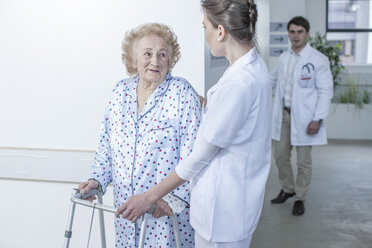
(282, 197)
(298, 208)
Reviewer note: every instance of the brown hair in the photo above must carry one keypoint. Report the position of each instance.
(238, 17)
(132, 37)
(299, 21)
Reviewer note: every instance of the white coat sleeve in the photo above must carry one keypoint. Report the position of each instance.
(274, 76)
(201, 156)
(324, 85)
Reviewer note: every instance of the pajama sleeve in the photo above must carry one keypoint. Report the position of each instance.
(189, 120)
(102, 168)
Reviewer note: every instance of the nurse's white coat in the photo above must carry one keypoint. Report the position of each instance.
(227, 195)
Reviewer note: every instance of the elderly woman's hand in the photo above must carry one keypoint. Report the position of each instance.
(87, 186)
(162, 209)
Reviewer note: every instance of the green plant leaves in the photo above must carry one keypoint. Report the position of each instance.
(320, 43)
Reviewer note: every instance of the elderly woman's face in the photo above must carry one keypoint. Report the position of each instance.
(152, 59)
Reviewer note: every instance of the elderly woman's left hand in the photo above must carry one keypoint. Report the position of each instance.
(134, 207)
(162, 209)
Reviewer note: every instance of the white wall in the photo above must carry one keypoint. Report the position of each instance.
(316, 14)
(60, 60)
(35, 188)
(35, 215)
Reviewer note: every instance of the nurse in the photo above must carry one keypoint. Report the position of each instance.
(230, 162)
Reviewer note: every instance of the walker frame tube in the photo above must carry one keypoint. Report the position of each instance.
(101, 208)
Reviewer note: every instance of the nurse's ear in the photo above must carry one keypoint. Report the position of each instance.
(221, 32)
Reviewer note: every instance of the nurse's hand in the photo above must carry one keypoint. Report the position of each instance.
(162, 209)
(313, 127)
(203, 101)
(85, 187)
(134, 207)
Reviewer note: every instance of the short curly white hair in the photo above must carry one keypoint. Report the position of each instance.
(133, 36)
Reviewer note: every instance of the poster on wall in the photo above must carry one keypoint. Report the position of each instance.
(278, 27)
(276, 51)
(278, 38)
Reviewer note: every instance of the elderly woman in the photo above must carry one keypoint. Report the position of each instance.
(150, 124)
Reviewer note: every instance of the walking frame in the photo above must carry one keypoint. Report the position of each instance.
(78, 198)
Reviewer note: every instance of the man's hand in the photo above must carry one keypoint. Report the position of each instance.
(313, 127)
(134, 207)
(162, 209)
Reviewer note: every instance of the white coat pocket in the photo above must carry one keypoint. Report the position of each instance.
(307, 76)
(306, 81)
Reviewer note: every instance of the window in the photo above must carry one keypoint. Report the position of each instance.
(350, 23)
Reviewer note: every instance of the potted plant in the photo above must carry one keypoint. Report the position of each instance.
(353, 94)
(320, 43)
(346, 122)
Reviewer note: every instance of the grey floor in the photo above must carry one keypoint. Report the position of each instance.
(338, 206)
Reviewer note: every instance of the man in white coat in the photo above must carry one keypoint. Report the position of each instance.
(304, 88)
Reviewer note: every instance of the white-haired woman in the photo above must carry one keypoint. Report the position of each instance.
(149, 125)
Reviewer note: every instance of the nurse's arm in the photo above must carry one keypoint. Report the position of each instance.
(202, 155)
(137, 205)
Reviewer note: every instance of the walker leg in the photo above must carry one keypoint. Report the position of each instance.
(145, 217)
(176, 231)
(141, 243)
(102, 223)
(68, 231)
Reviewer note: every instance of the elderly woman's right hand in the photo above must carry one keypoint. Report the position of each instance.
(87, 186)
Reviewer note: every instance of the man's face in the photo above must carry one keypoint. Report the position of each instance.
(297, 35)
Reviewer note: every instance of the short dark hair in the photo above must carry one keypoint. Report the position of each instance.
(299, 21)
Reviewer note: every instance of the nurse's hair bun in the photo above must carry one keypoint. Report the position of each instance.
(252, 16)
(238, 17)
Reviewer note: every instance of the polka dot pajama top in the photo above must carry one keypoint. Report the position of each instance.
(138, 150)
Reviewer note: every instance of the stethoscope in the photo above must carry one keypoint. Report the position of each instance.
(306, 69)
(308, 66)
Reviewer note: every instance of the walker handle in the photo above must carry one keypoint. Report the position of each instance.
(87, 195)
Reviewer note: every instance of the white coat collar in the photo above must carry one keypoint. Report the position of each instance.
(305, 52)
(246, 59)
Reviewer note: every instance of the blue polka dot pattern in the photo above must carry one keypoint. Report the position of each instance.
(134, 153)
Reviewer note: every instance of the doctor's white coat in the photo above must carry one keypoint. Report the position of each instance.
(311, 95)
